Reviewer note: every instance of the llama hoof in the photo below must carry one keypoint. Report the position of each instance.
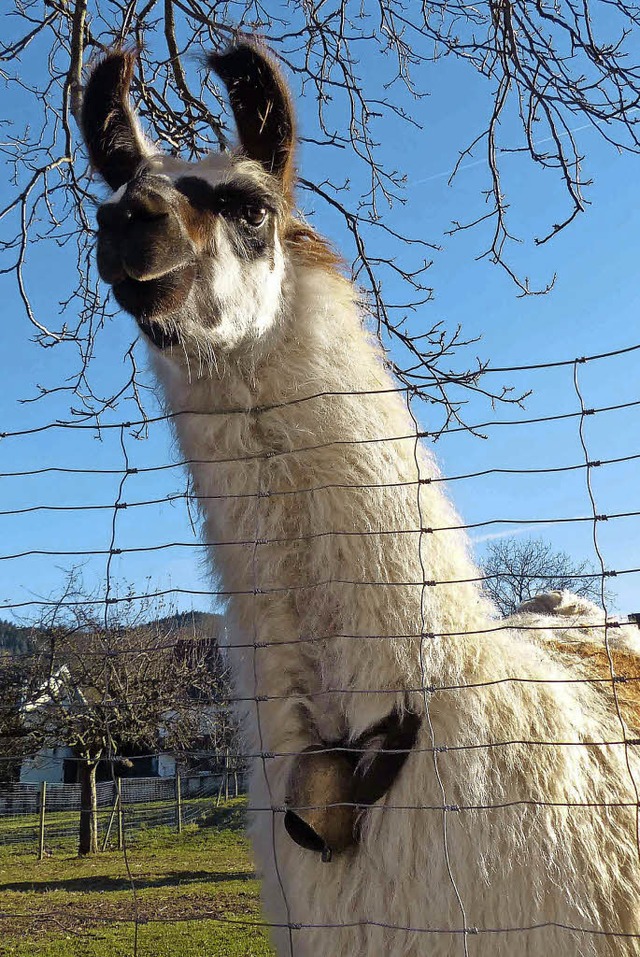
(321, 811)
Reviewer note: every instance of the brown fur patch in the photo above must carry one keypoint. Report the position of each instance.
(200, 225)
(594, 660)
(309, 248)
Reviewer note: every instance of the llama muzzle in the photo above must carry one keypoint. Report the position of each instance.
(144, 254)
(140, 236)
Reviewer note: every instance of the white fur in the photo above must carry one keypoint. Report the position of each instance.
(308, 493)
(236, 302)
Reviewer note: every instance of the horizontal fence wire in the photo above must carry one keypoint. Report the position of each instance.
(147, 802)
(131, 806)
(297, 400)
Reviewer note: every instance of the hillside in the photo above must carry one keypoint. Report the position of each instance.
(15, 640)
(21, 640)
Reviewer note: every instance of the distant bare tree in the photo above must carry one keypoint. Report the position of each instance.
(544, 70)
(99, 690)
(516, 569)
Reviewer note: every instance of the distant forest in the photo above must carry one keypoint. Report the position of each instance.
(22, 640)
(15, 640)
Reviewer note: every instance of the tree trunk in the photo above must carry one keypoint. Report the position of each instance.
(88, 837)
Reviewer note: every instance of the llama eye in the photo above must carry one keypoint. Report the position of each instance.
(254, 215)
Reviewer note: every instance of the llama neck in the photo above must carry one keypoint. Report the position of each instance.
(314, 457)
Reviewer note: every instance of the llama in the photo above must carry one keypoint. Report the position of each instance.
(495, 805)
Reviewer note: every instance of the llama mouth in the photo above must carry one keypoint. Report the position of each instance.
(152, 300)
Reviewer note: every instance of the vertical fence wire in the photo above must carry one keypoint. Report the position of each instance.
(604, 574)
(141, 805)
(425, 635)
(258, 694)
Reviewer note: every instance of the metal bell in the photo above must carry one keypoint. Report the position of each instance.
(321, 812)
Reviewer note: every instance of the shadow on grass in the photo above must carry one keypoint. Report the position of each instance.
(106, 884)
(229, 818)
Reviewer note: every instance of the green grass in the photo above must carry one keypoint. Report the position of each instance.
(196, 896)
(23, 828)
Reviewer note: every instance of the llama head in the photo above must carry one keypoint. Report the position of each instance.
(195, 252)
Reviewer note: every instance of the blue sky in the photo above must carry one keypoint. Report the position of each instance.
(593, 308)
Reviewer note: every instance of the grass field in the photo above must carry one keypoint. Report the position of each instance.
(196, 895)
(23, 828)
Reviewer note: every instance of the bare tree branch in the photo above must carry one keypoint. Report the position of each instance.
(546, 72)
(517, 569)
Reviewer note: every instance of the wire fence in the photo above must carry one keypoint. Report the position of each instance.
(40, 816)
(589, 498)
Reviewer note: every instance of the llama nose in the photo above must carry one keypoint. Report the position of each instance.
(139, 237)
(132, 209)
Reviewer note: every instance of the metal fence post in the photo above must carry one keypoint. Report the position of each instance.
(43, 812)
(120, 815)
(178, 804)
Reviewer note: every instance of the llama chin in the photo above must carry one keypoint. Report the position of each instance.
(495, 808)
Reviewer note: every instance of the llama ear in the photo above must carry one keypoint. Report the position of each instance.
(114, 140)
(261, 105)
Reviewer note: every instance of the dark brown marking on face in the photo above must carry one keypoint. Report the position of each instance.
(144, 252)
(248, 210)
(262, 108)
(228, 199)
(140, 236)
(108, 124)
